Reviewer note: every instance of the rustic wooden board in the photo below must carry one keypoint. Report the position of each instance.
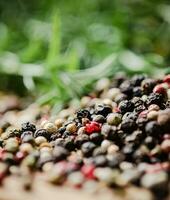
(12, 189)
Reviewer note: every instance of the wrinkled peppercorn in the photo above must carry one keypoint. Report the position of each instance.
(28, 127)
(103, 110)
(126, 106)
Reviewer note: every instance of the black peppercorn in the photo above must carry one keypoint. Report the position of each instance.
(96, 138)
(152, 128)
(148, 85)
(87, 148)
(137, 92)
(28, 127)
(42, 132)
(126, 88)
(59, 153)
(100, 161)
(155, 98)
(103, 110)
(80, 139)
(149, 142)
(83, 113)
(137, 79)
(128, 125)
(126, 106)
(69, 143)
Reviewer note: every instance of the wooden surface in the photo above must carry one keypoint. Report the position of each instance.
(12, 189)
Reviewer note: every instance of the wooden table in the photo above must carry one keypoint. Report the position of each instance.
(12, 189)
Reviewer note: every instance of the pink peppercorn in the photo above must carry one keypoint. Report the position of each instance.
(92, 127)
(167, 79)
(88, 171)
(159, 89)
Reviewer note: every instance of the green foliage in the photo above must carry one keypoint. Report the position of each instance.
(47, 47)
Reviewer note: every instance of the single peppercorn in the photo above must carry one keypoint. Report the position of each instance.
(100, 161)
(155, 98)
(60, 153)
(126, 106)
(148, 85)
(87, 148)
(103, 110)
(152, 128)
(42, 132)
(126, 88)
(128, 125)
(96, 138)
(28, 127)
(137, 79)
(83, 113)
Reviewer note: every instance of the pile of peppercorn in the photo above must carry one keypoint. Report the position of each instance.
(120, 136)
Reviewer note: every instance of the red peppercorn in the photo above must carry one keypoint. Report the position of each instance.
(88, 171)
(167, 79)
(159, 89)
(92, 127)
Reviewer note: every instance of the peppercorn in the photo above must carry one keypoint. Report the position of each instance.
(59, 122)
(87, 148)
(148, 85)
(92, 127)
(103, 110)
(112, 149)
(149, 142)
(112, 93)
(72, 128)
(114, 119)
(88, 171)
(155, 98)
(25, 133)
(99, 151)
(126, 88)
(115, 159)
(128, 125)
(126, 106)
(28, 139)
(50, 127)
(28, 127)
(96, 138)
(83, 113)
(59, 153)
(80, 139)
(100, 161)
(40, 139)
(137, 79)
(98, 118)
(152, 128)
(42, 132)
(69, 143)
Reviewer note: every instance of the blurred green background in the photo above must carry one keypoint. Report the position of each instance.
(45, 43)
